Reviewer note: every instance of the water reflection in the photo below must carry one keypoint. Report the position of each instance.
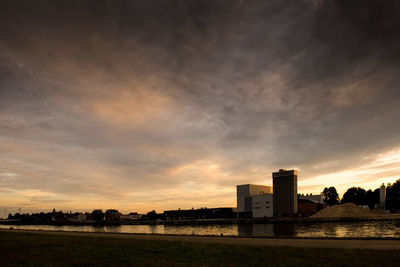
(285, 229)
(376, 229)
(226, 230)
(256, 230)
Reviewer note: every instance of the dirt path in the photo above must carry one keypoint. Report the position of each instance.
(280, 242)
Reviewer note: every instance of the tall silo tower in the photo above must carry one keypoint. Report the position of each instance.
(382, 197)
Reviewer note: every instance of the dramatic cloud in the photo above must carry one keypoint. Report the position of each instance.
(138, 105)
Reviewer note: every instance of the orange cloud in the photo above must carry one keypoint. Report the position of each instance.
(132, 108)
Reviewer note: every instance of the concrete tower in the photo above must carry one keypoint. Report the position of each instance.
(382, 197)
(285, 192)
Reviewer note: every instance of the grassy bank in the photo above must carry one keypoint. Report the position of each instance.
(39, 249)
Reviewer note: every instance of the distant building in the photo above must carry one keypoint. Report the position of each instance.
(316, 198)
(112, 215)
(308, 207)
(58, 217)
(262, 205)
(131, 216)
(81, 217)
(244, 193)
(285, 192)
(76, 217)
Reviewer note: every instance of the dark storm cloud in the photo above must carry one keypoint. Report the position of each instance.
(178, 95)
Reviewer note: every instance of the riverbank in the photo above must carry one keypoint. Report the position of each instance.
(273, 220)
(348, 243)
(70, 248)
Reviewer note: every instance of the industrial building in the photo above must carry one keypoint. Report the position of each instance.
(262, 205)
(245, 193)
(285, 192)
(382, 197)
(306, 207)
(266, 201)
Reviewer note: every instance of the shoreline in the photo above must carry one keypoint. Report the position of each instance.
(392, 217)
(344, 243)
(191, 235)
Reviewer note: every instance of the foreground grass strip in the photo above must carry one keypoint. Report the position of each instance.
(38, 249)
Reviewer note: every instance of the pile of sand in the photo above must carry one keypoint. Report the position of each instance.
(343, 211)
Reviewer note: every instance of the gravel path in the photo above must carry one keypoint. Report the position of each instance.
(279, 242)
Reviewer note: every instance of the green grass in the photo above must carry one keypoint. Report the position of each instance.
(27, 249)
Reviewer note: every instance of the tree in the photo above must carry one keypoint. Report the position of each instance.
(112, 215)
(355, 195)
(98, 215)
(331, 197)
(372, 198)
(152, 215)
(393, 196)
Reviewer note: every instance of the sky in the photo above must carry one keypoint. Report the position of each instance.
(142, 105)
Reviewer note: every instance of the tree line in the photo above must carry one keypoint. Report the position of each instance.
(360, 196)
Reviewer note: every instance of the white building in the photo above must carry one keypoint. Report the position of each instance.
(244, 193)
(131, 216)
(78, 217)
(262, 205)
(382, 197)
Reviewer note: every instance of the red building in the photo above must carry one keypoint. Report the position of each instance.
(308, 207)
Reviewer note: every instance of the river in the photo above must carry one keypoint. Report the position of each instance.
(372, 229)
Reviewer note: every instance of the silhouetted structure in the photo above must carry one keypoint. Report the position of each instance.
(307, 207)
(285, 192)
(382, 197)
(315, 198)
(244, 193)
(203, 213)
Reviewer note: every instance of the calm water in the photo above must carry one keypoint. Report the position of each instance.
(330, 229)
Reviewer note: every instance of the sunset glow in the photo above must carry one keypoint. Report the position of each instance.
(172, 108)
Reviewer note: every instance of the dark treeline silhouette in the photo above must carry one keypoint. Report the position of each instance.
(361, 197)
(97, 216)
(393, 196)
